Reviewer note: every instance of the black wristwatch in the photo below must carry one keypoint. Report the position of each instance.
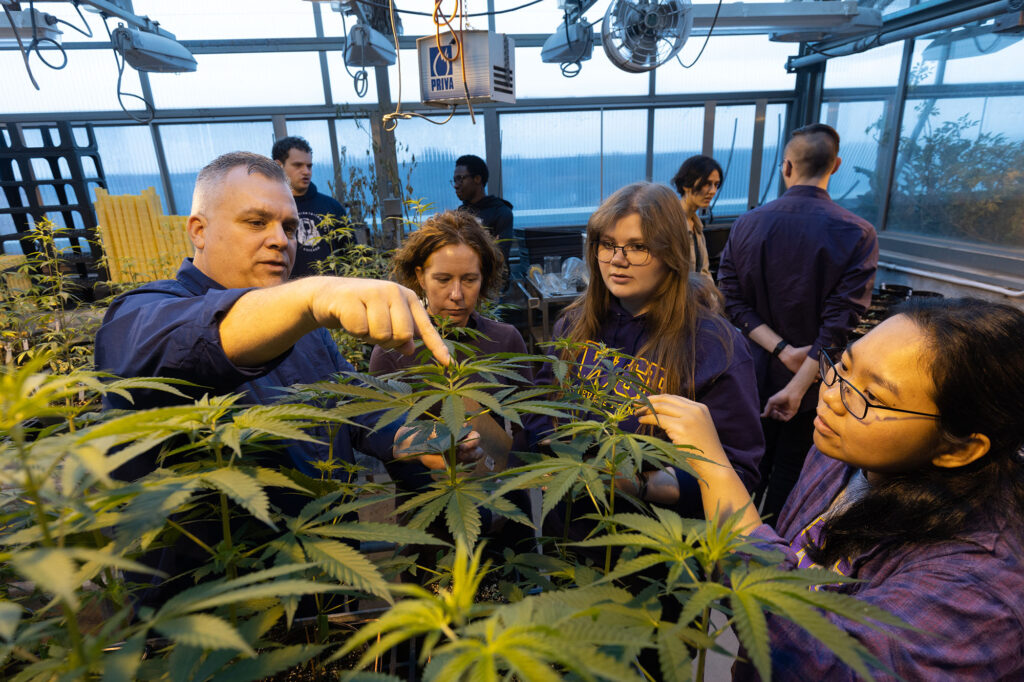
(779, 348)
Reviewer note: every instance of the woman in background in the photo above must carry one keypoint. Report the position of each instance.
(914, 486)
(641, 302)
(698, 181)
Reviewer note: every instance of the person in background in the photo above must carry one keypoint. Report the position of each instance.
(698, 180)
(295, 156)
(453, 264)
(796, 275)
(644, 304)
(470, 183)
(914, 486)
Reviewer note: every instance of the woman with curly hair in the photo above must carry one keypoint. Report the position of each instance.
(453, 263)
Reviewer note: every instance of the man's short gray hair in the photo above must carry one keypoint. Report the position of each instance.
(213, 173)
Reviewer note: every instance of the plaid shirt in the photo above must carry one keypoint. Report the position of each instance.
(967, 596)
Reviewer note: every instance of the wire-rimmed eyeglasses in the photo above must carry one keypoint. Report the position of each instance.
(854, 401)
(635, 254)
(457, 179)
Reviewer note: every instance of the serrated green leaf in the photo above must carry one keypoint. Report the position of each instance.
(10, 616)
(752, 632)
(270, 477)
(122, 665)
(462, 517)
(557, 489)
(365, 531)
(269, 663)
(673, 656)
(51, 569)
(245, 490)
(346, 565)
(700, 599)
(845, 647)
(206, 631)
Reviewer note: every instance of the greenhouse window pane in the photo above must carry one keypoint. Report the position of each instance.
(427, 153)
(597, 77)
(129, 161)
(190, 146)
(203, 20)
(729, 64)
(87, 83)
(556, 170)
(966, 55)
(238, 80)
(879, 67)
(958, 172)
(677, 136)
(771, 153)
(541, 18)
(358, 174)
(733, 145)
(863, 147)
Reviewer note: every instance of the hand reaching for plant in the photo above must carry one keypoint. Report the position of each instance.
(264, 323)
(688, 422)
(468, 450)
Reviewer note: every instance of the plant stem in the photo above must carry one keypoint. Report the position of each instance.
(611, 512)
(702, 655)
(32, 493)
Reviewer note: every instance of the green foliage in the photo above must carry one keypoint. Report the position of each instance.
(46, 318)
(958, 181)
(71, 531)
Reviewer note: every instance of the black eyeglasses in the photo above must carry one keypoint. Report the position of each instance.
(853, 400)
(457, 179)
(635, 254)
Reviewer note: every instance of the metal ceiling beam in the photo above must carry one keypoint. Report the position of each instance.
(907, 26)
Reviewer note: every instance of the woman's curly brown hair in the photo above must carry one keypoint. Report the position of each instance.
(442, 229)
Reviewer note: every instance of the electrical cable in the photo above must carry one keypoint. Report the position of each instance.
(88, 32)
(36, 40)
(572, 67)
(120, 61)
(359, 79)
(711, 30)
(21, 47)
(390, 121)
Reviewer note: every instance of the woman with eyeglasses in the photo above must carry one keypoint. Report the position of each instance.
(644, 303)
(914, 486)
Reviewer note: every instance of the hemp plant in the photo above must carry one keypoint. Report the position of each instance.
(438, 405)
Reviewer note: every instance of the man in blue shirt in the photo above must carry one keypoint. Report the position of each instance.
(232, 322)
(295, 156)
(796, 275)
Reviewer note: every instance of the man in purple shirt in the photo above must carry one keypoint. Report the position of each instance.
(796, 275)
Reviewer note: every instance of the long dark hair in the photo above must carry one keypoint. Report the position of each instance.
(676, 307)
(977, 366)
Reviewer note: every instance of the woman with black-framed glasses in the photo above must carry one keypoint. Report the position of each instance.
(914, 486)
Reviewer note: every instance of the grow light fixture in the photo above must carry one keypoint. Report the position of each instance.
(145, 51)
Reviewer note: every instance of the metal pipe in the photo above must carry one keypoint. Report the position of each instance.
(953, 279)
(884, 38)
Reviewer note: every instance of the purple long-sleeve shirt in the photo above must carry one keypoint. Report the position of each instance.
(723, 381)
(804, 266)
(965, 595)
